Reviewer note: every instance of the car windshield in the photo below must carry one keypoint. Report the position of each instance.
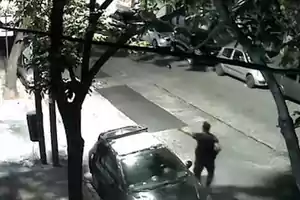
(163, 28)
(151, 168)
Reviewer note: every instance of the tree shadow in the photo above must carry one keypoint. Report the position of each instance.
(98, 51)
(39, 182)
(278, 187)
(165, 61)
(146, 57)
(200, 68)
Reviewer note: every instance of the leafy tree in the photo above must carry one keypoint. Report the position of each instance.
(76, 19)
(55, 55)
(10, 90)
(260, 26)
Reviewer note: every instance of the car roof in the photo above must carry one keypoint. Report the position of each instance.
(134, 143)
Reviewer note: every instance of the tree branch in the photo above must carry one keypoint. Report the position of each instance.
(93, 19)
(294, 40)
(56, 29)
(72, 74)
(103, 59)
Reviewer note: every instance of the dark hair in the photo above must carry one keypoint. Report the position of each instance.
(206, 126)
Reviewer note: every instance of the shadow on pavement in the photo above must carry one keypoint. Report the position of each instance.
(165, 61)
(18, 182)
(146, 57)
(200, 68)
(279, 187)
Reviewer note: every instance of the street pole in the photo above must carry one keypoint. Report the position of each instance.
(39, 116)
(53, 130)
(6, 39)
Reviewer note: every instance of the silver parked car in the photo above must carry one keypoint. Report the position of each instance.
(252, 77)
(159, 35)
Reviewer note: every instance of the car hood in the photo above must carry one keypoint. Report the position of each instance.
(183, 190)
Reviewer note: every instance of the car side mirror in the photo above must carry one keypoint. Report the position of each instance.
(188, 164)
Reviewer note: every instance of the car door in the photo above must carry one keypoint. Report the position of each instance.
(291, 86)
(99, 172)
(112, 177)
(237, 70)
(226, 53)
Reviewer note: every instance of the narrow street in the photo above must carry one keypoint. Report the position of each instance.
(174, 102)
(250, 111)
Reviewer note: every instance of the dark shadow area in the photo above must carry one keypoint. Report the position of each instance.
(133, 104)
(40, 182)
(98, 51)
(121, 53)
(165, 61)
(199, 68)
(146, 57)
(3, 45)
(278, 187)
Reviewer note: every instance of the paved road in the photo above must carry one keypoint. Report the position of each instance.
(246, 169)
(140, 109)
(250, 111)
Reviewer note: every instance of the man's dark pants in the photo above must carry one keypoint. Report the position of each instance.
(202, 162)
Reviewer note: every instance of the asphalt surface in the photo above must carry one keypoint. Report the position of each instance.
(253, 163)
(139, 109)
(250, 111)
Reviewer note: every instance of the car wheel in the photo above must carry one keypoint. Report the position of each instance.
(154, 44)
(219, 70)
(250, 82)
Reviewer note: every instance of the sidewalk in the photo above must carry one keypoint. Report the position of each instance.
(22, 177)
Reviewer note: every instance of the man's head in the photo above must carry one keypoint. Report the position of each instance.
(206, 127)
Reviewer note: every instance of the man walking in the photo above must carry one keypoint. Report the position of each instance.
(206, 152)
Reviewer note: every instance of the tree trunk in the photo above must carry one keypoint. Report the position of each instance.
(11, 91)
(286, 126)
(71, 116)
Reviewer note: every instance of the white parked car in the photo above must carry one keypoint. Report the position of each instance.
(252, 77)
(159, 35)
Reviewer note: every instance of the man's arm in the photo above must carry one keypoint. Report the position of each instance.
(195, 135)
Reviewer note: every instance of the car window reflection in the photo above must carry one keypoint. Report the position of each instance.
(151, 168)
